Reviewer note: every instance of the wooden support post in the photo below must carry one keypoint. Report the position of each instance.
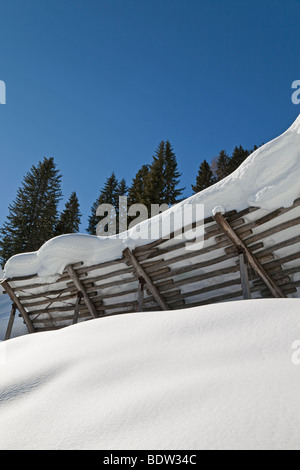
(140, 272)
(244, 277)
(80, 287)
(141, 295)
(77, 308)
(19, 306)
(228, 230)
(11, 322)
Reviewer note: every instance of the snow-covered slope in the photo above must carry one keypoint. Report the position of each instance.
(216, 377)
(268, 179)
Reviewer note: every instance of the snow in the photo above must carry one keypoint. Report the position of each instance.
(215, 377)
(218, 210)
(268, 179)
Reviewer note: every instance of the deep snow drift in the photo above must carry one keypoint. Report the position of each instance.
(268, 179)
(216, 377)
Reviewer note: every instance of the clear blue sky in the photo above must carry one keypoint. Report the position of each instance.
(97, 84)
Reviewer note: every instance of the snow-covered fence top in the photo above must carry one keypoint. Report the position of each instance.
(164, 275)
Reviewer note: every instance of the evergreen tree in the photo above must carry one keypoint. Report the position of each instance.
(33, 216)
(155, 183)
(172, 176)
(136, 193)
(108, 195)
(69, 220)
(222, 165)
(163, 179)
(205, 178)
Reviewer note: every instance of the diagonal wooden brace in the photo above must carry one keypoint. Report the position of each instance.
(80, 287)
(141, 273)
(77, 308)
(19, 306)
(242, 248)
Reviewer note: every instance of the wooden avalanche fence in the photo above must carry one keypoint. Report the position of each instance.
(247, 254)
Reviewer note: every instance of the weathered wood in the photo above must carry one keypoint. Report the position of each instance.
(242, 213)
(232, 248)
(273, 230)
(222, 237)
(194, 267)
(15, 300)
(268, 218)
(188, 254)
(198, 278)
(115, 273)
(244, 277)
(10, 322)
(259, 285)
(214, 287)
(216, 299)
(77, 308)
(275, 290)
(99, 266)
(107, 285)
(286, 289)
(264, 258)
(63, 294)
(280, 275)
(73, 275)
(142, 273)
(284, 260)
(279, 246)
(141, 295)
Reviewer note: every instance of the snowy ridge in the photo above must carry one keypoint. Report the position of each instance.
(268, 179)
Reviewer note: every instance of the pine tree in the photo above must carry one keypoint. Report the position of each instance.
(33, 216)
(163, 179)
(109, 195)
(205, 177)
(222, 165)
(172, 176)
(155, 183)
(136, 193)
(69, 220)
